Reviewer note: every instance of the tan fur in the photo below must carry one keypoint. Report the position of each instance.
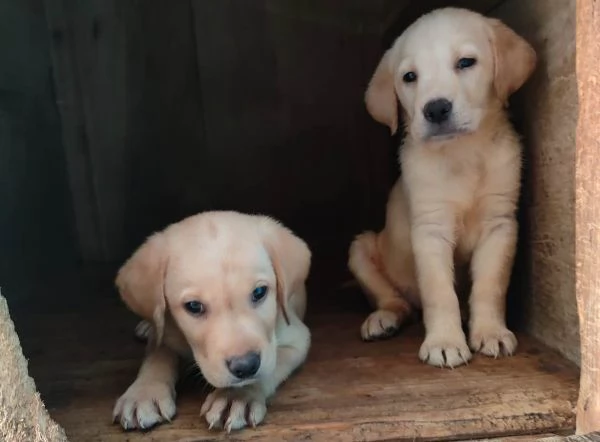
(216, 258)
(456, 199)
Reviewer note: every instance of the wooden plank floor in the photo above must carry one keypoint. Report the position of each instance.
(83, 356)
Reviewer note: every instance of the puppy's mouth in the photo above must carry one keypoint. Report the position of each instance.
(445, 132)
(232, 383)
(238, 383)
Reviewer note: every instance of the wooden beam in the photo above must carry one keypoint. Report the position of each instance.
(587, 213)
(69, 99)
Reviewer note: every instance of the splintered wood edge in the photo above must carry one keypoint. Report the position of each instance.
(587, 213)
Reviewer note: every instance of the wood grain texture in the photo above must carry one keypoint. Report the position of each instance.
(590, 437)
(127, 86)
(69, 100)
(286, 129)
(257, 106)
(587, 213)
(83, 355)
(35, 214)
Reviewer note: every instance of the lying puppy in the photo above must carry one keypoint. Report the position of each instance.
(452, 71)
(227, 290)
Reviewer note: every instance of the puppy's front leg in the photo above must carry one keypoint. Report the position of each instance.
(490, 266)
(150, 400)
(247, 405)
(290, 355)
(433, 239)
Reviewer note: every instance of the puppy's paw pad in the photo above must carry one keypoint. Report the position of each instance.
(145, 405)
(445, 350)
(234, 409)
(380, 324)
(493, 341)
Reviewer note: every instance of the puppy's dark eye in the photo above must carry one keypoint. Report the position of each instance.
(259, 293)
(195, 308)
(465, 63)
(409, 77)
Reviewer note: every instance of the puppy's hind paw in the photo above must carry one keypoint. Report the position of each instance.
(380, 324)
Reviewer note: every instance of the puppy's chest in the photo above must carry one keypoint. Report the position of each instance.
(475, 186)
(461, 181)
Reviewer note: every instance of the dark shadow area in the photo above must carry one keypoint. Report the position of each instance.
(37, 236)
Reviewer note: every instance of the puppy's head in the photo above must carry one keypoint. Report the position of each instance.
(225, 279)
(449, 69)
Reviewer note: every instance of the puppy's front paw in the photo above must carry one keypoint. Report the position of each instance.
(445, 350)
(380, 324)
(493, 341)
(145, 405)
(234, 408)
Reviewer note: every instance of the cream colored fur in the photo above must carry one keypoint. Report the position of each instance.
(457, 197)
(217, 259)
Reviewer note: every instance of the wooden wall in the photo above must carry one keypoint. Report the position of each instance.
(256, 105)
(35, 205)
(547, 110)
(195, 105)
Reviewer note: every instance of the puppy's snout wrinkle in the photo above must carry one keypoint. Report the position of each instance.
(437, 111)
(245, 366)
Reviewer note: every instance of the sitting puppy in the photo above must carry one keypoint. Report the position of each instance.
(228, 290)
(453, 71)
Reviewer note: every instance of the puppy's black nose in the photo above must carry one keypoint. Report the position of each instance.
(245, 366)
(437, 111)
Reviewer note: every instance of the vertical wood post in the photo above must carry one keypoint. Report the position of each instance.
(587, 212)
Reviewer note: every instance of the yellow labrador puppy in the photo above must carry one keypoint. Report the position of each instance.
(227, 290)
(452, 71)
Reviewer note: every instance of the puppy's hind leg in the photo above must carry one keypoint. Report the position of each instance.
(391, 308)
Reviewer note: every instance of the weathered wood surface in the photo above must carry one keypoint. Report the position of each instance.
(127, 89)
(252, 105)
(348, 390)
(546, 112)
(35, 213)
(590, 437)
(587, 213)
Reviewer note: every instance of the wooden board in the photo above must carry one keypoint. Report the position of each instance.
(127, 85)
(547, 111)
(587, 213)
(83, 356)
(254, 105)
(33, 176)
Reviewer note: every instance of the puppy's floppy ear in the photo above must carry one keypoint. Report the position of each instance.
(141, 282)
(514, 59)
(290, 257)
(380, 97)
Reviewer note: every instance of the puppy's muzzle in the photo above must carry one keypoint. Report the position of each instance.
(438, 111)
(442, 126)
(245, 366)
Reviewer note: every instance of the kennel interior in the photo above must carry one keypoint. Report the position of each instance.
(118, 117)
